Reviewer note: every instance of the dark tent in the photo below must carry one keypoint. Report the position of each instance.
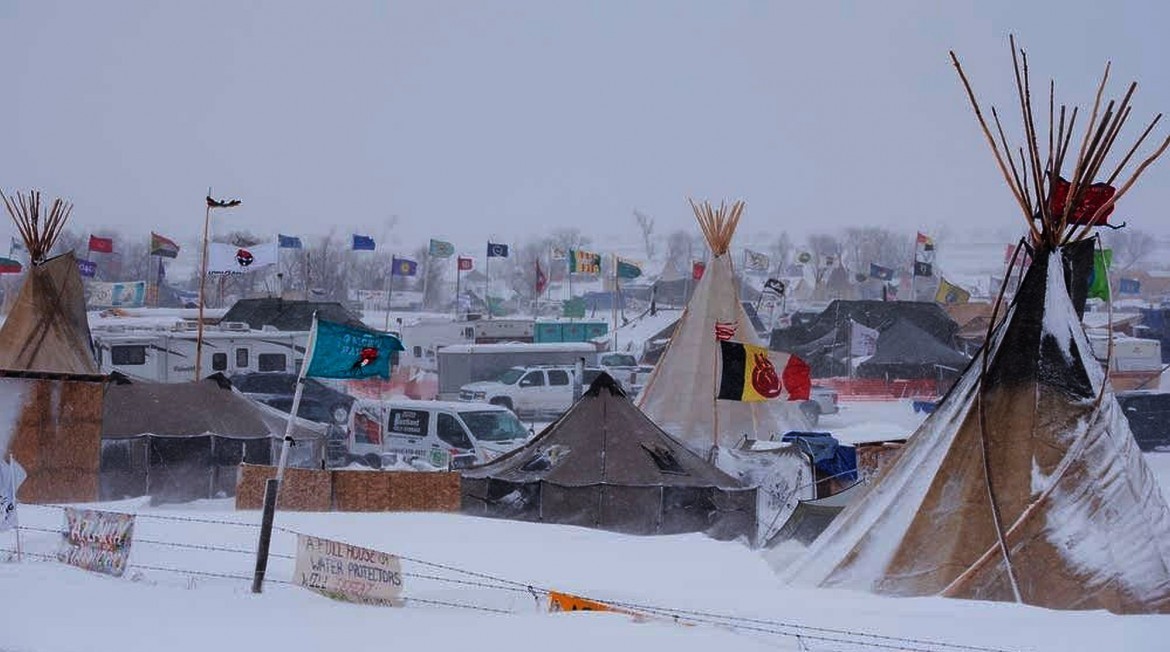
(906, 351)
(285, 315)
(811, 517)
(182, 441)
(822, 340)
(604, 464)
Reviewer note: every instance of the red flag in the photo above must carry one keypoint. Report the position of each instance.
(541, 279)
(104, 245)
(697, 269)
(464, 264)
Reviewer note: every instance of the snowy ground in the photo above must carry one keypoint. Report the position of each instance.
(168, 601)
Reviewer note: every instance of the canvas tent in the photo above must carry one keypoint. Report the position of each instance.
(286, 315)
(680, 394)
(1025, 484)
(181, 441)
(604, 464)
(906, 351)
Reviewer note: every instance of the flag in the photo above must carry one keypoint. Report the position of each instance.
(363, 243)
(289, 241)
(627, 269)
(86, 268)
(725, 330)
(464, 263)
(923, 269)
(753, 373)
(1090, 198)
(1022, 259)
(923, 250)
(340, 351)
(1129, 286)
(756, 262)
(697, 269)
(827, 261)
(803, 257)
(879, 272)
(102, 245)
(495, 250)
(11, 477)
(775, 285)
(163, 246)
(229, 259)
(9, 266)
(558, 253)
(17, 244)
(541, 279)
(402, 266)
(584, 262)
(440, 249)
(222, 203)
(1099, 278)
(949, 293)
(862, 339)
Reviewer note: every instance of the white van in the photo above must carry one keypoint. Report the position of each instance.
(444, 434)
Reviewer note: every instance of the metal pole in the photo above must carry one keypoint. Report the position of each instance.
(202, 286)
(426, 273)
(458, 271)
(15, 512)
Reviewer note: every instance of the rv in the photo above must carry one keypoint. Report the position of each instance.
(1134, 363)
(168, 356)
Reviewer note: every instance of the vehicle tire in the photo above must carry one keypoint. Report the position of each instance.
(812, 412)
(504, 401)
(372, 460)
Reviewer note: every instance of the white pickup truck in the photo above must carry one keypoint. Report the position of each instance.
(534, 391)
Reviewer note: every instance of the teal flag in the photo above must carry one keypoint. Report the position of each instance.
(341, 351)
(1099, 279)
(628, 270)
(440, 249)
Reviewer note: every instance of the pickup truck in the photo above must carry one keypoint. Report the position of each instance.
(534, 391)
(821, 400)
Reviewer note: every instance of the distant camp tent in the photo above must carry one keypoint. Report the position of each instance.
(680, 394)
(46, 329)
(605, 465)
(906, 351)
(1025, 484)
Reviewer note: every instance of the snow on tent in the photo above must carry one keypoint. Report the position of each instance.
(46, 329)
(605, 465)
(1025, 484)
(181, 441)
(680, 394)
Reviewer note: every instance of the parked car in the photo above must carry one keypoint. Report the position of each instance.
(532, 391)
(821, 400)
(1148, 413)
(440, 433)
(319, 402)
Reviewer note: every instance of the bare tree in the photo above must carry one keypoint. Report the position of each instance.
(1130, 247)
(646, 226)
(781, 251)
(871, 244)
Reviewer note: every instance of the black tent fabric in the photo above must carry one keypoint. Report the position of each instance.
(605, 465)
(287, 315)
(906, 351)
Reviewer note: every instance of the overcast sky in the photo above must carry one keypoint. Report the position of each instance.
(470, 120)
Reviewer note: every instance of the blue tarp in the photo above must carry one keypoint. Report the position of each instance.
(829, 456)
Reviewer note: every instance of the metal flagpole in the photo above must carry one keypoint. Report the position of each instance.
(272, 487)
(389, 293)
(487, 280)
(914, 268)
(15, 512)
(458, 271)
(426, 270)
(613, 299)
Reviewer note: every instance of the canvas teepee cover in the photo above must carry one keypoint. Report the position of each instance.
(680, 394)
(46, 328)
(1026, 483)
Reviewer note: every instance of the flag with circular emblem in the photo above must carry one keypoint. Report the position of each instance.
(753, 373)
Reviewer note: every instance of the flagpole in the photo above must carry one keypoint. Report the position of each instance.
(389, 293)
(202, 289)
(914, 268)
(487, 280)
(272, 486)
(426, 272)
(613, 299)
(458, 271)
(15, 512)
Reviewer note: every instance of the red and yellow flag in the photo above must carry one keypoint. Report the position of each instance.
(754, 373)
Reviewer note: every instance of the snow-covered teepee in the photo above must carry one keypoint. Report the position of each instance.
(680, 394)
(1025, 484)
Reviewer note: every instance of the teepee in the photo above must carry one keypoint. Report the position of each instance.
(680, 394)
(46, 329)
(1025, 484)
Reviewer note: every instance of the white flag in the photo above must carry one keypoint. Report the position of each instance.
(862, 339)
(559, 253)
(756, 261)
(230, 259)
(11, 475)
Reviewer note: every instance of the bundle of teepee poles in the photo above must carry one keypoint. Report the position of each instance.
(718, 224)
(1032, 174)
(39, 231)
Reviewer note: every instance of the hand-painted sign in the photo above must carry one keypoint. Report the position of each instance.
(116, 295)
(348, 573)
(97, 541)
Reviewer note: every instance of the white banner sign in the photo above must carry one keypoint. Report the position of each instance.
(349, 573)
(131, 294)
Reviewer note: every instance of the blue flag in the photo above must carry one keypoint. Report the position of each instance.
(363, 243)
(403, 267)
(87, 268)
(879, 272)
(340, 351)
(289, 241)
(495, 250)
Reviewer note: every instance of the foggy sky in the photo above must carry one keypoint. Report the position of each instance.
(470, 120)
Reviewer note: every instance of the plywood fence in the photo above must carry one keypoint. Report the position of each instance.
(351, 491)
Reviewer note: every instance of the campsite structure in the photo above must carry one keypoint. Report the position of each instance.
(1025, 484)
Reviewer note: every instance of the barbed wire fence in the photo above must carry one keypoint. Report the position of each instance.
(430, 584)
